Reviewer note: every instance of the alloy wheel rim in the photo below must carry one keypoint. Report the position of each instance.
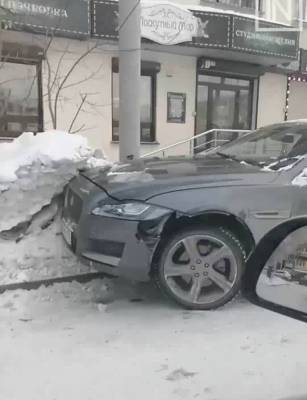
(200, 269)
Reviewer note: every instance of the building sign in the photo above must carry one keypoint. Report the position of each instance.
(168, 24)
(201, 29)
(105, 19)
(215, 30)
(63, 18)
(276, 43)
(220, 66)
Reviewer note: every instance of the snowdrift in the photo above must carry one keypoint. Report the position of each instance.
(34, 170)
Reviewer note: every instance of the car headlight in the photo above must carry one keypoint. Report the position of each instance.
(129, 210)
(124, 209)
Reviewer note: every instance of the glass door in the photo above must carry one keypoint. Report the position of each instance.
(223, 111)
(202, 108)
(223, 103)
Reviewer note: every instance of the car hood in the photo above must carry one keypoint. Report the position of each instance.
(144, 179)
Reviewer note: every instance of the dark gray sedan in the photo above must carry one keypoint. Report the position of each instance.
(190, 224)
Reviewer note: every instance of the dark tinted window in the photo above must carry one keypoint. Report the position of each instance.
(147, 107)
(19, 99)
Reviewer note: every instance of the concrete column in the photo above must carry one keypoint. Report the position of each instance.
(129, 79)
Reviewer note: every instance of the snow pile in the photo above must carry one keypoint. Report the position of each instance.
(45, 148)
(33, 173)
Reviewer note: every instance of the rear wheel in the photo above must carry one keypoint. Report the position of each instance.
(201, 269)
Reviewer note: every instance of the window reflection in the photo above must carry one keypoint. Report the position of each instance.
(270, 144)
(147, 108)
(283, 280)
(223, 103)
(19, 101)
(234, 3)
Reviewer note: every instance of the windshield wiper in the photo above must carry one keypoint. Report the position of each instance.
(228, 156)
(252, 162)
(234, 158)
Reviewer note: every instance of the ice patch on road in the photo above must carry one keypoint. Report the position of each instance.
(179, 374)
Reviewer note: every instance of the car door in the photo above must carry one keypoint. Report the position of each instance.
(297, 178)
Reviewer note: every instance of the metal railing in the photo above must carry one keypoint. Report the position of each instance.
(201, 143)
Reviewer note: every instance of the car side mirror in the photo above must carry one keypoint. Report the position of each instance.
(278, 279)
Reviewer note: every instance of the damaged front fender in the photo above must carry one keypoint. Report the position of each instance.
(149, 231)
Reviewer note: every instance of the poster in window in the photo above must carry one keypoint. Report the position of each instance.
(176, 108)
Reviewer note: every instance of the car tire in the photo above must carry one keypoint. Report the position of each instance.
(183, 288)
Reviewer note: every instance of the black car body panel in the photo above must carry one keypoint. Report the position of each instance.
(259, 198)
(119, 249)
(143, 180)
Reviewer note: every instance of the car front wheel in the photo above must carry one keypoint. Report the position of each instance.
(201, 269)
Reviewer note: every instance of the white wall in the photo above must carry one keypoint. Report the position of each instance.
(272, 99)
(303, 39)
(178, 74)
(297, 100)
(93, 77)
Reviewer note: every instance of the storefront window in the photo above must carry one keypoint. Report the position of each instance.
(19, 99)
(239, 3)
(251, 4)
(147, 107)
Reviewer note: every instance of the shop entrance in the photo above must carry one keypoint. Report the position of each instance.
(223, 103)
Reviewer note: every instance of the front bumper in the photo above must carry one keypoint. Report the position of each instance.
(110, 245)
(117, 247)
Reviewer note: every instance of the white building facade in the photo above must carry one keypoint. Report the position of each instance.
(60, 70)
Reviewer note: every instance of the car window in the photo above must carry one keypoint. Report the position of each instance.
(269, 144)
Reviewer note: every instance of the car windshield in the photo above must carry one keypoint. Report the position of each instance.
(276, 144)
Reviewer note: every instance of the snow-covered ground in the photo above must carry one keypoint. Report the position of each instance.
(91, 342)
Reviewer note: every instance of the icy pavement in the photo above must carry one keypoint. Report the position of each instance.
(90, 342)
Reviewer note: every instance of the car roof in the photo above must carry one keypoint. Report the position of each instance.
(294, 122)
